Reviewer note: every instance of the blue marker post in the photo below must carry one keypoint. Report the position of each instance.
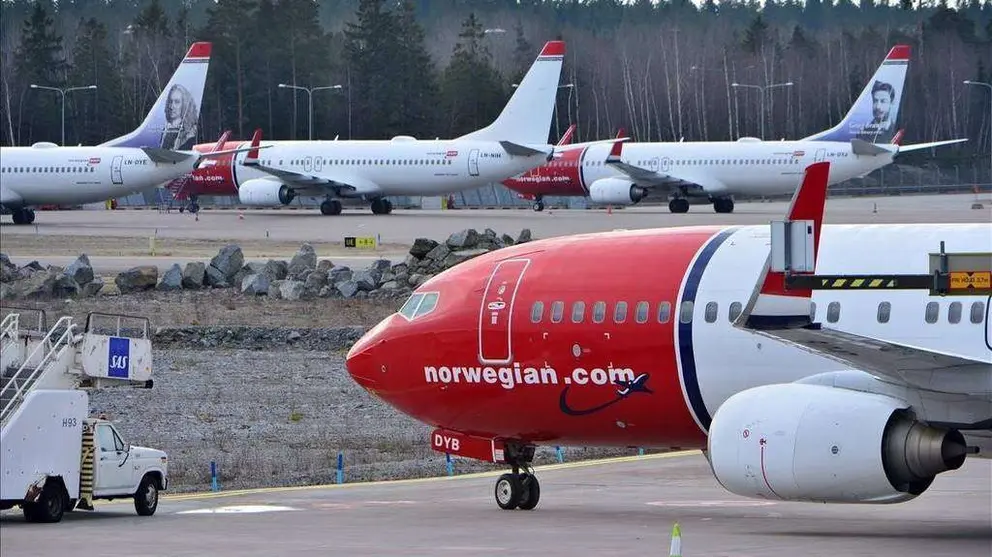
(451, 465)
(640, 451)
(561, 455)
(213, 476)
(340, 468)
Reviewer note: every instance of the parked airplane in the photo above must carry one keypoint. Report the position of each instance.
(714, 171)
(150, 156)
(840, 395)
(515, 142)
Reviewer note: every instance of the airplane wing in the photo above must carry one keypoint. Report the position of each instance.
(782, 313)
(647, 178)
(918, 146)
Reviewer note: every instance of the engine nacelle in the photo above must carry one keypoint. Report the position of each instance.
(816, 443)
(616, 191)
(265, 193)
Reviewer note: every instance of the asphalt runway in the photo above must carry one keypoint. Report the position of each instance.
(403, 226)
(621, 507)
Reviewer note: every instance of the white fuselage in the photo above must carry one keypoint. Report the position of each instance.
(740, 167)
(395, 167)
(75, 175)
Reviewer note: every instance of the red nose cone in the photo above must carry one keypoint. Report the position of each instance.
(364, 360)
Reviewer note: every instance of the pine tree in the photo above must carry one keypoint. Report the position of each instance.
(473, 92)
(40, 61)
(96, 116)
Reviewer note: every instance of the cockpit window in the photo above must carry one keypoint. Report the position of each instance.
(427, 305)
(419, 304)
(410, 307)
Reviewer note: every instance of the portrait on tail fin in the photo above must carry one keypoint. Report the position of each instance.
(181, 114)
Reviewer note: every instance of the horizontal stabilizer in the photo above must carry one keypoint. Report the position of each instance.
(918, 146)
(519, 150)
(159, 155)
(862, 147)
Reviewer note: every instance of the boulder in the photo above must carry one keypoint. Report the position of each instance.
(93, 287)
(65, 287)
(438, 253)
(507, 240)
(347, 288)
(324, 265)
(136, 279)
(229, 260)
(172, 279)
(194, 275)
(465, 239)
(291, 290)
(255, 285)
(391, 285)
(381, 265)
(411, 262)
(275, 289)
(314, 282)
(8, 271)
(339, 274)
(365, 280)
(456, 257)
(80, 270)
(215, 278)
(524, 236)
(304, 260)
(421, 247)
(277, 270)
(417, 279)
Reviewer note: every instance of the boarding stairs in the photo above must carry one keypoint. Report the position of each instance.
(67, 356)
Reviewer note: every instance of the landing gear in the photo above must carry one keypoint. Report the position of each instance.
(538, 204)
(723, 204)
(330, 207)
(518, 490)
(381, 206)
(23, 216)
(679, 205)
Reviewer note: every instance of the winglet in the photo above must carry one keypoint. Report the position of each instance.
(221, 141)
(252, 156)
(566, 138)
(616, 152)
(620, 133)
(772, 306)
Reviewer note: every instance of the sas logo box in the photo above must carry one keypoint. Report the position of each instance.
(119, 357)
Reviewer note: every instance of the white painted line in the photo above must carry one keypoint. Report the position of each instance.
(240, 509)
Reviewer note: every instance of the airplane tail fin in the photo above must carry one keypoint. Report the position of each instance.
(173, 120)
(566, 137)
(526, 118)
(873, 116)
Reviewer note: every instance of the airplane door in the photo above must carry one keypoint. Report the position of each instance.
(496, 311)
(473, 162)
(988, 323)
(115, 170)
(820, 155)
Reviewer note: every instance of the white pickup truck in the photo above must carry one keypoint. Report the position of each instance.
(62, 460)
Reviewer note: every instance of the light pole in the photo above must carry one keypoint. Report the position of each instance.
(989, 85)
(62, 92)
(762, 88)
(309, 91)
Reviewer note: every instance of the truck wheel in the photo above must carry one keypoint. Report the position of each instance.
(146, 498)
(50, 505)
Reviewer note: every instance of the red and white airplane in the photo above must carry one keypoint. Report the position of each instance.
(688, 337)
(715, 171)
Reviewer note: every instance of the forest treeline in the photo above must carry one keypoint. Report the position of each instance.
(439, 68)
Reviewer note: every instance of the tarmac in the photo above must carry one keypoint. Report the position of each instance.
(621, 506)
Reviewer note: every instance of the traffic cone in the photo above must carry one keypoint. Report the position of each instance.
(241, 215)
(676, 549)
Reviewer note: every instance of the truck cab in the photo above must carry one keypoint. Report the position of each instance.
(123, 470)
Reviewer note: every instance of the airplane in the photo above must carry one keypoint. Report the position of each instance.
(714, 171)
(372, 170)
(148, 157)
(854, 389)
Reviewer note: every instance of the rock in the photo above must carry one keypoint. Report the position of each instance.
(438, 253)
(402, 278)
(421, 247)
(65, 287)
(8, 271)
(215, 278)
(277, 270)
(293, 336)
(411, 261)
(314, 282)
(490, 233)
(6, 291)
(304, 260)
(339, 274)
(365, 280)
(381, 265)
(457, 257)
(465, 239)
(362, 295)
(399, 268)
(347, 288)
(80, 270)
(391, 285)
(92, 288)
(194, 274)
(326, 291)
(172, 279)
(136, 279)
(275, 289)
(228, 261)
(256, 284)
(524, 236)
(507, 240)
(291, 290)
(417, 279)
(324, 265)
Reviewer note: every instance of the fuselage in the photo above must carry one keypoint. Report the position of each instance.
(723, 168)
(536, 342)
(396, 167)
(49, 174)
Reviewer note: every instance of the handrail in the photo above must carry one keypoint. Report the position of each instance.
(52, 348)
(9, 327)
(119, 316)
(42, 322)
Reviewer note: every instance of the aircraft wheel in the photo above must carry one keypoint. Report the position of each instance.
(18, 216)
(378, 207)
(509, 491)
(539, 206)
(387, 205)
(723, 205)
(30, 215)
(330, 207)
(679, 205)
(532, 492)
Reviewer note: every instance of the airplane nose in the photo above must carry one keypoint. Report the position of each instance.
(363, 361)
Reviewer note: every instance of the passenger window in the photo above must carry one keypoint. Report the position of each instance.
(410, 307)
(710, 313)
(598, 312)
(954, 312)
(536, 312)
(932, 312)
(641, 314)
(664, 312)
(735, 311)
(427, 305)
(884, 309)
(833, 312)
(620, 312)
(578, 312)
(557, 309)
(105, 438)
(977, 312)
(685, 312)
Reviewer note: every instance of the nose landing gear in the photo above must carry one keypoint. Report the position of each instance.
(518, 490)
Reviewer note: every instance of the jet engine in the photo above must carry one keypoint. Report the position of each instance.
(799, 442)
(616, 191)
(265, 193)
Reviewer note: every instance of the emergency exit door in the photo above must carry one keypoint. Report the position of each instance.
(473, 162)
(495, 331)
(115, 170)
